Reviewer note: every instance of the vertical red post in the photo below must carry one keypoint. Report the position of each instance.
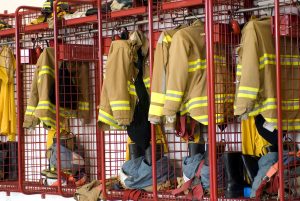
(278, 91)
(56, 70)
(19, 101)
(100, 66)
(20, 98)
(211, 98)
(153, 134)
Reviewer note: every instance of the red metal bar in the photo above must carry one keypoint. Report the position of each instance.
(7, 32)
(211, 98)
(278, 91)
(100, 135)
(129, 12)
(153, 134)
(81, 20)
(181, 4)
(20, 103)
(56, 70)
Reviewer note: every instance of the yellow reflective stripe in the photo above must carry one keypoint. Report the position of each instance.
(196, 65)
(120, 108)
(219, 59)
(83, 105)
(158, 98)
(239, 70)
(247, 92)
(204, 118)
(287, 60)
(173, 99)
(174, 95)
(119, 102)
(196, 102)
(132, 93)
(174, 92)
(30, 110)
(167, 39)
(268, 104)
(108, 119)
(241, 95)
(147, 82)
(45, 70)
(119, 105)
(48, 121)
(47, 105)
(293, 104)
(156, 110)
(252, 89)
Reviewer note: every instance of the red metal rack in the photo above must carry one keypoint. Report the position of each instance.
(9, 158)
(87, 40)
(76, 49)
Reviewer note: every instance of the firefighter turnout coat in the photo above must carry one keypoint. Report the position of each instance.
(7, 99)
(40, 108)
(256, 76)
(187, 84)
(159, 77)
(118, 95)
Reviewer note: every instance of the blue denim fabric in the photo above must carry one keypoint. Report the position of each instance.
(264, 164)
(65, 157)
(205, 177)
(140, 173)
(190, 165)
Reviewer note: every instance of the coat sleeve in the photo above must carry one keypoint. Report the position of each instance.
(249, 83)
(30, 121)
(178, 75)
(158, 87)
(117, 78)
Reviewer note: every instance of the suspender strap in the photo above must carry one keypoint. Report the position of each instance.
(196, 191)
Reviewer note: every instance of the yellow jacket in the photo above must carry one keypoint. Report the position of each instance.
(118, 97)
(256, 76)
(7, 98)
(159, 77)
(187, 84)
(40, 107)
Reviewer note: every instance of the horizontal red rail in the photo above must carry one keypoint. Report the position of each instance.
(181, 4)
(81, 20)
(129, 12)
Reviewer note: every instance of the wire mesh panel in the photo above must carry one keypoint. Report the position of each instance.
(9, 135)
(76, 139)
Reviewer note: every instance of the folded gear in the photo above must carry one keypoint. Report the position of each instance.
(137, 174)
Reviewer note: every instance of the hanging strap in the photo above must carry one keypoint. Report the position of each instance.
(269, 176)
(132, 194)
(196, 191)
(182, 130)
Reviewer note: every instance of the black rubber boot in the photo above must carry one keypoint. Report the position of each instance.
(234, 177)
(251, 166)
(196, 148)
(135, 151)
(3, 164)
(158, 154)
(11, 170)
